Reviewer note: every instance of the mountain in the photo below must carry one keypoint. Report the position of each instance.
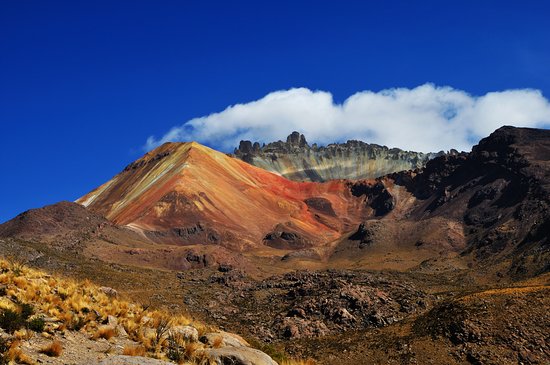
(296, 160)
(493, 203)
(187, 193)
(487, 207)
(447, 264)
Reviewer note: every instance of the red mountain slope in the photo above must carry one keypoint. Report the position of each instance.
(188, 193)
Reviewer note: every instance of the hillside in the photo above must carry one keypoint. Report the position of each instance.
(47, 319)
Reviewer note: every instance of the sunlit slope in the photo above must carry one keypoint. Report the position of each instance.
(187, 185)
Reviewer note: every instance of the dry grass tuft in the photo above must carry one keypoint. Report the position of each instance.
(106, 332)
(16, 355)
(54, 349)
(298, 362)
(190, 349)
(217, 342)
(134, 350)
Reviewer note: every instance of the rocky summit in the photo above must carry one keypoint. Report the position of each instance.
(295, 159)
(433, 259)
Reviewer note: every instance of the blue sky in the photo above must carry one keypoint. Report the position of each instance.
(83, 85)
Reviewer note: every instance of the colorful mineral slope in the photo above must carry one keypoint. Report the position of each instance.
(186, 192)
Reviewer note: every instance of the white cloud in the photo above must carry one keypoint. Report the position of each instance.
(426, 118)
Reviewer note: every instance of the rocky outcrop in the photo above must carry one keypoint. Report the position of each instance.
(307, 304)
(500, 192)
(295, 159)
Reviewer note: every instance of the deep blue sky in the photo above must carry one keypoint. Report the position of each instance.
(83, 84)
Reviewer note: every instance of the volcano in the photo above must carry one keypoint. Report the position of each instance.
(185, 193)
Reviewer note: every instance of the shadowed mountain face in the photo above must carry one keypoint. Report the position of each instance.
(296, 160)
(500, 193)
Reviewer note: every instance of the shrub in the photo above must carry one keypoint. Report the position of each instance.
(105, 332)
(174, 351)
(76, 323)
(26, 311)
(4, 347)
(10, 320)
(36, 324)
(54, 349)
(134, 351)
(162, 325)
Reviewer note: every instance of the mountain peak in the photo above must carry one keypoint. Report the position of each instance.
(296, 139)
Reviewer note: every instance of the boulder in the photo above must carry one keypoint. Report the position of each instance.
(188, 333)
(238, 356)
(110, 292)
(227, 339)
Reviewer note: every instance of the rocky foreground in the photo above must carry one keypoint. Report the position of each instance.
(44, 319)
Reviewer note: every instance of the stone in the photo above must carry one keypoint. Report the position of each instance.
(188, 333)
(296, 160)
(110, 292)
(238, 356)
(227, 339)
(112, 321)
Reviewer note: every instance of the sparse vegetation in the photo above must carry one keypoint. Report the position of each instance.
(34, 301)
(54, 349)
(298, 362)
(135, 351)
(11, 352)
(36, 324)
(105, 332)
(11, 320)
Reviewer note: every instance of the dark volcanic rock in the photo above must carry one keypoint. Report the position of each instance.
(378, 197)
(283, 237)
(496, 327)
(65, 224)
(501, 191)
(313, 304)
(321, 205)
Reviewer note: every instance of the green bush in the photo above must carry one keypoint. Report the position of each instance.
(26, 310)
(10, 320)
(36, 324)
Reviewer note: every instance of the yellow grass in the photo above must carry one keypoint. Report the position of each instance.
(298, 362)
(53, 349)
(506, 291)
(134, 350)
(82, 306)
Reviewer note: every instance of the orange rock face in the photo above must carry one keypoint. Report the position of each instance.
(188, 193)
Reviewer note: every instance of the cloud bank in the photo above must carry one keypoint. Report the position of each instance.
(426, 118)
